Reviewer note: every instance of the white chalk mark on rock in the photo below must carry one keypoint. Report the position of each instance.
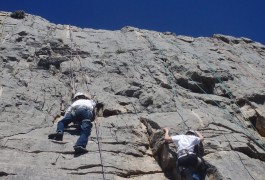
(198, 117)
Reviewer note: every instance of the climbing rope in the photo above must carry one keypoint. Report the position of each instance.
(72, 78)
(170, 80)
(99, 148)
(96, 119)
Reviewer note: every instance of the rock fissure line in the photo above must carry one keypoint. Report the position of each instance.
(84, 173)
(38, 151)
(126, 153)
(3, 137)
(83, 167)
(224, 126)
(131, 174)
(2, 173)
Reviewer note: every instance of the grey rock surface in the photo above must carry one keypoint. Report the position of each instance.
(146, 81)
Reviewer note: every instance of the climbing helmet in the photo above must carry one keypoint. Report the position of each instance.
(191, 132)
(79, 95)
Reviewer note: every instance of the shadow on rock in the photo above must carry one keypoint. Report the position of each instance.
(73, 129)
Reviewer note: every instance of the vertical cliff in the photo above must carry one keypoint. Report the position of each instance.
(145, 80)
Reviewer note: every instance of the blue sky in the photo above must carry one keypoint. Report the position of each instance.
(239, 18)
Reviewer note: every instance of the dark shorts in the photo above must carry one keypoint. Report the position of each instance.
(190, 160)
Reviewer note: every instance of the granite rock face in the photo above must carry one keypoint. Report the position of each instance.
(145, 81)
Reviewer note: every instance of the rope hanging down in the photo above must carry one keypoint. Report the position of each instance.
(175, 96)
(72, 78)
(99, 148)
(96, 119)
(170, 79)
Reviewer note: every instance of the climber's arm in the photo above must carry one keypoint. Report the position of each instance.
(167, 137)
(200, 135)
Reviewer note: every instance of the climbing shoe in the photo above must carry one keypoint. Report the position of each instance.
(56, 136)
(80, 149)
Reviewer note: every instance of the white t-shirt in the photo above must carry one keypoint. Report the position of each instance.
(187, 142)
(90, 104)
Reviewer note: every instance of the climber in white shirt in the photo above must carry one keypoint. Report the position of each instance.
(82, 110)
(185, 144)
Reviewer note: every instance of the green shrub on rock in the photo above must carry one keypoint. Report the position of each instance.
(18, 14)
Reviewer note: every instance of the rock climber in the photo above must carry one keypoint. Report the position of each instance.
(81, 111)
(185, 144)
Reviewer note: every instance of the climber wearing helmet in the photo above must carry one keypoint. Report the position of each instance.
(82, 110)
(185, 147)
